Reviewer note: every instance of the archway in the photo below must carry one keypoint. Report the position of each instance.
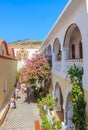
(72, 48)
(3, 48)
(57, 50)
(59, 99)
(49, 55)
(69, 110)
(49, 50)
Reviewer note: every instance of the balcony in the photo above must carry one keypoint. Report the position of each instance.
(57, 66)
(68, 63)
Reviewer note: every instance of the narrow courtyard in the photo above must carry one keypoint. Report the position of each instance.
(23, 116)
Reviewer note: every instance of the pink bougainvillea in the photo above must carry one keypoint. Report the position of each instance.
(36, 69)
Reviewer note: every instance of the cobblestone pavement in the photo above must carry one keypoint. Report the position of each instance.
(23, 117)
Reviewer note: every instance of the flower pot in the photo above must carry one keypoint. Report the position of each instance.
(41, 108)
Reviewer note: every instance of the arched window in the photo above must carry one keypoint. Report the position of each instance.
(57, 50)
(49, 50)
(80, 50)
(73, 51)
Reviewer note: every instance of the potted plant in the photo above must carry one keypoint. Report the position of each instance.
(51, 103)
(59, 56)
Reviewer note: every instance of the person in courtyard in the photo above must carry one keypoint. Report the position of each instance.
(28, 92)
(17, 92)
(23, 87)
(12, 102)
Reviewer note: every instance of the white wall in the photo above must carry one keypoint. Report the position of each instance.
(75, 14)
(22, 63)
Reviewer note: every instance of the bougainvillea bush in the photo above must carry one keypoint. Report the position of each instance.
(36, 69)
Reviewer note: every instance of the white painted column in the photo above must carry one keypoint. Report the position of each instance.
(65, 55)
(87, 5)
(85, 62)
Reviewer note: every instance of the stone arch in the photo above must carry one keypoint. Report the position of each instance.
(3, 48)
(56, 49)
(72, 38)
(49, 50)
(59, 99)
(58, 96)
(68, 110)
(49, 54)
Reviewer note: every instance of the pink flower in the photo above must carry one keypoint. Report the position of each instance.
(36, 68)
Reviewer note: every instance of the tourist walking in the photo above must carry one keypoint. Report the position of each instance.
(12, 102)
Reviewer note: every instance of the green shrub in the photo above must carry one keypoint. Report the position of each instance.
(50, 101)
(78, 102)
(46, 125)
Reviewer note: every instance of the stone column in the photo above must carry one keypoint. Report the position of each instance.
(65, 117)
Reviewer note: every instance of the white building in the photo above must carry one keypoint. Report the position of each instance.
(67, 44)
(23, 53)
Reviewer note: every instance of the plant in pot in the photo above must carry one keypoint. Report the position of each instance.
(42, 102)
(46, 125)
(42, 112)
(51, 103)
(56, 125)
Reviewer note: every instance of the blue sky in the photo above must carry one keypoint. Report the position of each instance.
(24, 19)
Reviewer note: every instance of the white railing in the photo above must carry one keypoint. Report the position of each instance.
(67, 127)
(70, 62)
(57, 66)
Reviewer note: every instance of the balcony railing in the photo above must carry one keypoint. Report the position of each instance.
(57, 66)
(70, 62)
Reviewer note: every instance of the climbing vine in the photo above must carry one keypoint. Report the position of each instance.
(77, 93)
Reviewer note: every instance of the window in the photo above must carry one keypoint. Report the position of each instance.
(80, 50)
(73, 51)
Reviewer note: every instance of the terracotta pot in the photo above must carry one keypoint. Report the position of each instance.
(41, 107)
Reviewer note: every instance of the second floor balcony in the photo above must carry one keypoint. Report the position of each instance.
(57, 66)
(62, 67)
(68, 63)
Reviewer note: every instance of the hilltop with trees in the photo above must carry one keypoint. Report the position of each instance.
(26, 42)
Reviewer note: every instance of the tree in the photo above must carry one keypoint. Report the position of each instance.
(36, 70)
